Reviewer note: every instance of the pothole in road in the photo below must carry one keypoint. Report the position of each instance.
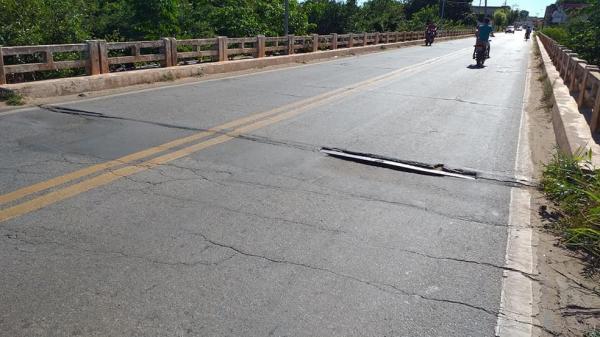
(423, 168)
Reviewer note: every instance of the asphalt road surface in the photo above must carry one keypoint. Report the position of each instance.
(207, 209)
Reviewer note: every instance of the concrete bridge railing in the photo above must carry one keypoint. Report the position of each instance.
(101, 57)
(582, 79)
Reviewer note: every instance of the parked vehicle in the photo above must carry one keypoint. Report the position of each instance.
(510, 29)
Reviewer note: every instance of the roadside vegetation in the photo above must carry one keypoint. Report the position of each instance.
(573, 184)
(593, 333)
(12, 98)
(31, 22)
(581, 33)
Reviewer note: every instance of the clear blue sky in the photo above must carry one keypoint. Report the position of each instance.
(535, 7)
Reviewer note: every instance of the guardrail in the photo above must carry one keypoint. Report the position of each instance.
(101, 57)
(582, 79)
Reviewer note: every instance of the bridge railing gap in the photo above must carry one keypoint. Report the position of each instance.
(582, 79)
(95, 57)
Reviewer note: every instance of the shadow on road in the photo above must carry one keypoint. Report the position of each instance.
(474, 66)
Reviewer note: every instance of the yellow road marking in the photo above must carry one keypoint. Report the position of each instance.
(38, 187)
(106, 178)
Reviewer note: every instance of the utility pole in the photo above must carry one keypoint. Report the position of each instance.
(443, 9)
(286, 20)
(485, 10)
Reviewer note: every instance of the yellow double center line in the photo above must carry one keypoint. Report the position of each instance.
(220, 134)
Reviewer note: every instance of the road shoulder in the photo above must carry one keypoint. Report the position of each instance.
(563, 295)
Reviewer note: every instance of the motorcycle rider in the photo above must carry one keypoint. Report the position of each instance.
(527, 32)
(483, 34)
(430, 29)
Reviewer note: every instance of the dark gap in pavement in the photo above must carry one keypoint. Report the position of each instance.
(85, 113)
(422, 168)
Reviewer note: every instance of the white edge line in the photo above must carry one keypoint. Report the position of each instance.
(515, 317)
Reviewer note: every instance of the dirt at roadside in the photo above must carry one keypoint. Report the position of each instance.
(567, 297)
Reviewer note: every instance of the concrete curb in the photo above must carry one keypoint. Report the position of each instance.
(572, 131)
(77, 85)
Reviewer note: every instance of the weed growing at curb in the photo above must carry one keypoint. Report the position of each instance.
(548, 92)
(593, 333)
(167, 77)
(13, 98)
(573, 184)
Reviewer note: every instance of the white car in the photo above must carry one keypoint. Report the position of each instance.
(510, 29)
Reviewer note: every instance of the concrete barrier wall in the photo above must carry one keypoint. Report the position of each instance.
(573, 133)
(581, 79)
(99, 56)
(76, 85)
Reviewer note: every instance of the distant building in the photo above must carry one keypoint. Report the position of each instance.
(481, 10)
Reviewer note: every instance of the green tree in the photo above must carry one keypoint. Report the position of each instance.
(325, 16)
(155, 18)
(27, 22)
(453, 10)
(500, 18)
(419, 19)
(382, 15)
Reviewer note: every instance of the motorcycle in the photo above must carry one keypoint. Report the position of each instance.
(429, 37)
(527, 36)
(481, 53)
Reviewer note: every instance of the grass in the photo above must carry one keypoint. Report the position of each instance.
(168, 77)
(573, 184)
(592, 333)
(13, 98)
(546, 99)
(547, 93)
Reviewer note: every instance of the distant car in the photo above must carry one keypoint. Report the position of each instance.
(520, 28)
(510, 29)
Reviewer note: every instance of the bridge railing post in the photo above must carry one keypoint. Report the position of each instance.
(365, 39)
(334, 41)
(582, 87)
(596, 108)
(92, 66)
(174, 56)
(291, 44)
(315, 42)
(2, 72)
(103, 57)
(350, 40)
(261, 46)
(222, 46)
(166, 50)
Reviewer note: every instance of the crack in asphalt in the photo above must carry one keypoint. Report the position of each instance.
(341, 194)
(305, 224)
(380, 286)
(443, 258)
(260, 216)
(384, 287)
(119, 253)
(455, 99)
